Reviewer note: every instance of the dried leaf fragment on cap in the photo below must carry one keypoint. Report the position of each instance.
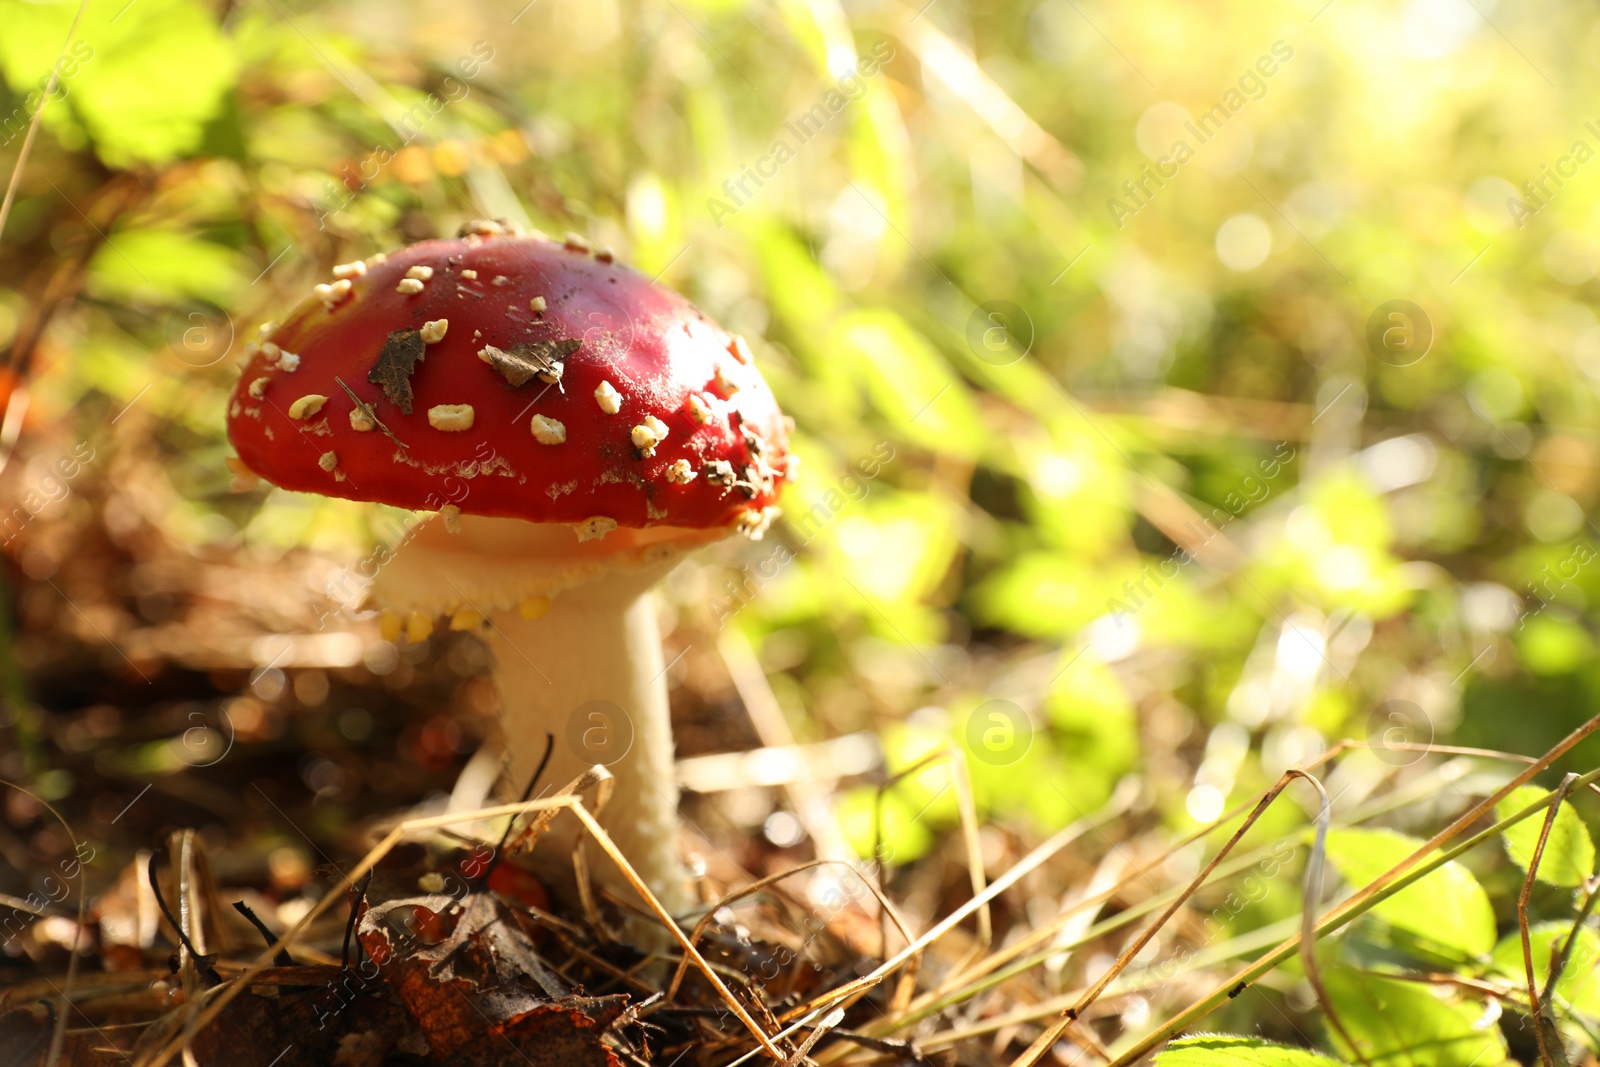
(392, 373)
(527, 360)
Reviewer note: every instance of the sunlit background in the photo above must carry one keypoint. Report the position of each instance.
(1119, 456)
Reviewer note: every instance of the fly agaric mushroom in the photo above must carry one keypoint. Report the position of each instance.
(579, 430)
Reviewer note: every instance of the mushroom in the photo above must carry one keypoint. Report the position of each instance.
(560, 513)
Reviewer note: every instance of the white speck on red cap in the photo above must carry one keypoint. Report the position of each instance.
(452, 418)
(548, 431)
(330, 295)
(699, 410)
(307, 406)
(648, 434)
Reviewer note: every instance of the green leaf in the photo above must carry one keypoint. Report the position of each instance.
(1230, 1050)
(1041, 594)
(143, 79)
(904, 835)
(1549, 645)
(1447, 910)
(162, 265)
(1580, 979)
(1396, 1022)
(909, 383)
(1568, 853)
(1097, 728)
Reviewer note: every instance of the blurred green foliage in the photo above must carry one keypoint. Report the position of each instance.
(1167, 502)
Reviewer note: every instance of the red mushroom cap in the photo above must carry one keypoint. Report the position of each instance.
(516, 377)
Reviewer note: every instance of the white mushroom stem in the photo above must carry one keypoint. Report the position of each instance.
(590, 672)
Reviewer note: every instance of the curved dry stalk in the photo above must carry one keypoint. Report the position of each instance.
(1473, 985)
(952, 993)
(967, 804)
(757, 886)
(1047, 931)
(802, 1050)
(602, 783)
(163, 1055)
(666, 918)
(1463, 750)
(58, 1035)
(1559, 958)
(527, 791)
(16, 178)
(810, 797)
(1053, 1033)
(600, 780)
(1115, 808)
(1310, 898)
(1244, 945)
(986, 976)
(189, 955)
(1044, 933)
(1534, 1007)
(961, 782)
(1386, 885)
(855, 989)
